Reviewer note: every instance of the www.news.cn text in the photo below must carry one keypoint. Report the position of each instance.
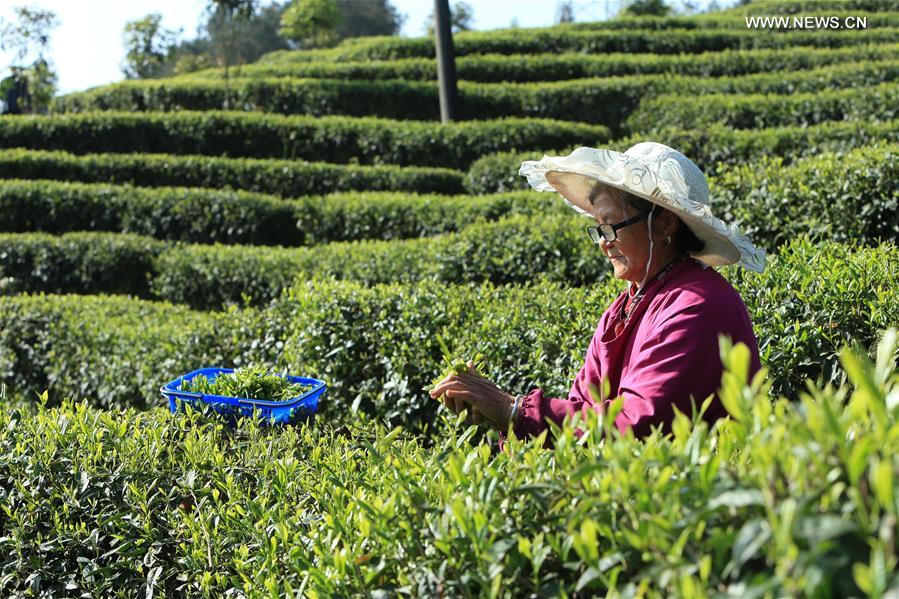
(808, 22)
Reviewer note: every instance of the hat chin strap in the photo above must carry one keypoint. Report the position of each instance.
(648, 262)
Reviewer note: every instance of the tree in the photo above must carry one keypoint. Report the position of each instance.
(461, 17)
(226, 14)
(253, 36)
(32, 82)
(311, 23)
(368, 17)
(642, 8)
(565, 12)
(150, 48)
(233, 41)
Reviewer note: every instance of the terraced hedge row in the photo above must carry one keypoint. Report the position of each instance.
(181, 506)
(237, 217)
(773, 7)
(753, 111)
(510, 250)
(715, 149)
(559, 40)
(855, 198)
(887, 17)
(336, 140)
(286, 178)
(842, 196)
(810, 301)
(607, 101)
(491, 68)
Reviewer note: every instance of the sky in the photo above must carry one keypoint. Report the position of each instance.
(87, 48)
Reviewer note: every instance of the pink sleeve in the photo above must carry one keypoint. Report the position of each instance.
(679, 357)
(678, 361)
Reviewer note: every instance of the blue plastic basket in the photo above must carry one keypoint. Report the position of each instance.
(291, 411)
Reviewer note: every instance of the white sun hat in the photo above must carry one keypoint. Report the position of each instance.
(656, 173)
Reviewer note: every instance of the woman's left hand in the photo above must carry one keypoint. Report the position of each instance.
(477, 393)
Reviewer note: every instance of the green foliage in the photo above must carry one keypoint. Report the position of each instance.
(374, 17)
(232, 39)
(311, 23)
(28, 39)
(77, 263)
(321, 139)
(149, 47)
(716, 149)
(556, 40)
(785, 500)
(226, 216)
(752, 111)
(847, 197)
(510, 250)
(811, 300)
(642, 8)
(771, 7)
(571, 100)
(286, 178)
(254, 382)
(490, 68)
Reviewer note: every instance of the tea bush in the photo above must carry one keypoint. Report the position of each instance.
(131, 348)
(490, 68)
(773, 7)
(227, 216)
(77, 263)
(331, 140)
(753, 111)
(376, 347)
(780, 499)
(572, 100)
(509, 250)
(848, 196)
(557, 40)
(715, 149)
(287, 178)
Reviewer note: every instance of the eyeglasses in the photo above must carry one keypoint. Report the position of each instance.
(610, 232)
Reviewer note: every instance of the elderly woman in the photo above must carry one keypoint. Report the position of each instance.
(657, 344)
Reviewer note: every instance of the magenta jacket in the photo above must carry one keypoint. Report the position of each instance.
(666, 354)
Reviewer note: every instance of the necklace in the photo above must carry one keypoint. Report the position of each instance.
(627, 311)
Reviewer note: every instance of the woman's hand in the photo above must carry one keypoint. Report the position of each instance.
(486, 401)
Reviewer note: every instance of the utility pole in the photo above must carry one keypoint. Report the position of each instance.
(446, 63)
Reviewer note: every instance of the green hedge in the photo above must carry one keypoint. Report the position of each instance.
(378, 346)
(842, 197)
(287, 178)
(238, 217)
(715, 149)
(98, 501)
(557, 40)
(853, 197)
(750, 112)
(576, 100)
(330, 140)
(124, 349)
(769, 7)
(881, 17)
(491, 68)
(77, 263)
(513, 249)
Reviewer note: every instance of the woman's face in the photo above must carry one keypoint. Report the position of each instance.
(630, 251)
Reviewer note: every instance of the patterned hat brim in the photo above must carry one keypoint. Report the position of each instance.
(573, 178)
